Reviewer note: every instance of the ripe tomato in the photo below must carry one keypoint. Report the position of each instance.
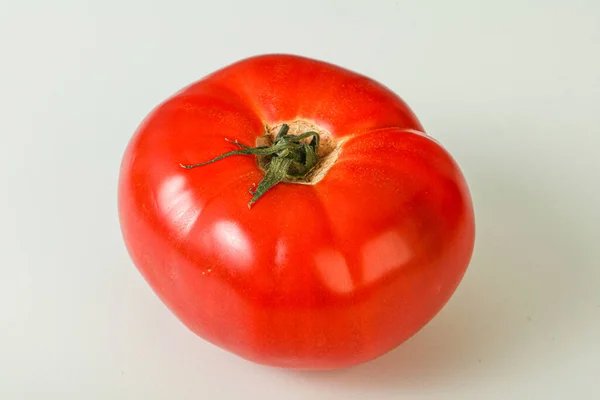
(358, 242)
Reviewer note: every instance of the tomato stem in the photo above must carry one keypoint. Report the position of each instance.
(289, 158)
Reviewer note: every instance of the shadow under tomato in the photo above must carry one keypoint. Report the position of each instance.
(518, 291)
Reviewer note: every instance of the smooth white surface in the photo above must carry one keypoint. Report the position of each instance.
(511, 88)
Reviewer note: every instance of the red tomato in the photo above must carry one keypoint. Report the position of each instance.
(326, 270)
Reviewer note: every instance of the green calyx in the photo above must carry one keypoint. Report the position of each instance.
(289, 158)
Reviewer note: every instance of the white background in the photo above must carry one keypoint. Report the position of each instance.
(511, 88)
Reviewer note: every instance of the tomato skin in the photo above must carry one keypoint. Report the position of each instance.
(317, 276)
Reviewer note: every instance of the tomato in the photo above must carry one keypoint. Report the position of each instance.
(357, 242)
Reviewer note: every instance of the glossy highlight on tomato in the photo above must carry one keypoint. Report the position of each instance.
(327, 271)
